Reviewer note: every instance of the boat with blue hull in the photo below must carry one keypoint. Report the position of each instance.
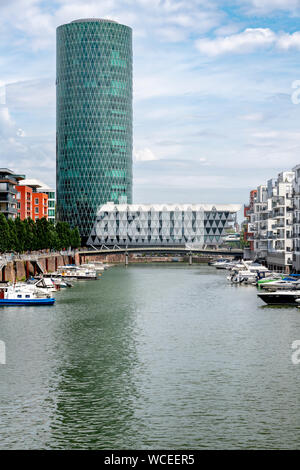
(24, 302)
(23, 295)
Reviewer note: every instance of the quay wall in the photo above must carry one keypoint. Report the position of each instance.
(20, 269)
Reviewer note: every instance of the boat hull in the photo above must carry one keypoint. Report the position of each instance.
(279, 299)
(80, 278)
(18, 302)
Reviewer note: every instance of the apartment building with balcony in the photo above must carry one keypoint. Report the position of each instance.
(257, 226)
(24, 202)
(270, 221)
(248, 227)
(8, 192)
(280, 250)
(296, 219)
(31, 202)
(38, 187)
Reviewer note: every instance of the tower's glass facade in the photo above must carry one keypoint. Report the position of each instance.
(94, 119)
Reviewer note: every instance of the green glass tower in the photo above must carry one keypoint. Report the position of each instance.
(93, 120)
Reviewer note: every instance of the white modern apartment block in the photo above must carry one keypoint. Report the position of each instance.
(258, 221)
(296, 219)
(271, 222)
(41, 187)
(280, 252)
(162, 224)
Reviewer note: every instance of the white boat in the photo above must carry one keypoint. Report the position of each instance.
(222, 264)
(22, 295)
(61, 283)
(280, 284)
(248, 266)
(44, 283)
(243, 277)
(93, 266)
(76, 273)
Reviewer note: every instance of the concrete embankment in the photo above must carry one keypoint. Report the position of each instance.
(20, 269)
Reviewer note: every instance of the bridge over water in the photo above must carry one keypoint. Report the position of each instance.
(183, 250)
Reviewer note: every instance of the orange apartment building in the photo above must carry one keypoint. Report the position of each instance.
(31, 204)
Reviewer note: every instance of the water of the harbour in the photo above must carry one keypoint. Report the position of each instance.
(151, 357)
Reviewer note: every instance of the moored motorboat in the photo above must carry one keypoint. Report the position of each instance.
(288, 297)
(61, 283)
(76, 273)
(242, 277)
(19, 295)
(222, 264)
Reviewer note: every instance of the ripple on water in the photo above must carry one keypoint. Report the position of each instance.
(150, 357)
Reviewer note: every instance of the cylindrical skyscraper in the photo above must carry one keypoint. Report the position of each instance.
(93, 119)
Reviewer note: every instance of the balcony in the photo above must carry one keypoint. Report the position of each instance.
(6, 197)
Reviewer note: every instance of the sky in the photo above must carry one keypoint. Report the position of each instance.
(216, 92)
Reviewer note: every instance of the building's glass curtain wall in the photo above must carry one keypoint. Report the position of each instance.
(135, 224)
(94, 119)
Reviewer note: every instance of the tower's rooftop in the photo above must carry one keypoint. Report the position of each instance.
(96, 20)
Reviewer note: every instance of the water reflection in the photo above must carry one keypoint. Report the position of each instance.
(151, 357)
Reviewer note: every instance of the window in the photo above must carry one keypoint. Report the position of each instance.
(36, 201)
(36, 210)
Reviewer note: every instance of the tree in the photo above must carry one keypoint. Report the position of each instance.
(20, 230)
(27, 235)
(244, 243)
(75, 238)
(64, 234)
(54, 238)
(4, 234)
(13, 236)
(43, 233)
(30, 242)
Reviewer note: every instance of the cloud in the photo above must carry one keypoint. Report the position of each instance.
(289, 41)
(198, 119)
(6, 122)
(268, 6)
(144, 155)
(247, 41)
(252, 117)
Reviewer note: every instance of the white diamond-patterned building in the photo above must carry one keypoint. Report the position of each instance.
(162, 224)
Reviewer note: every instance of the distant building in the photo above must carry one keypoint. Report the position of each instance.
(40, 207)
(94, 119)
(296, 219)
(248, 225)
(270, 222)
(24, 202)
(162, 224)
(8, 202)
